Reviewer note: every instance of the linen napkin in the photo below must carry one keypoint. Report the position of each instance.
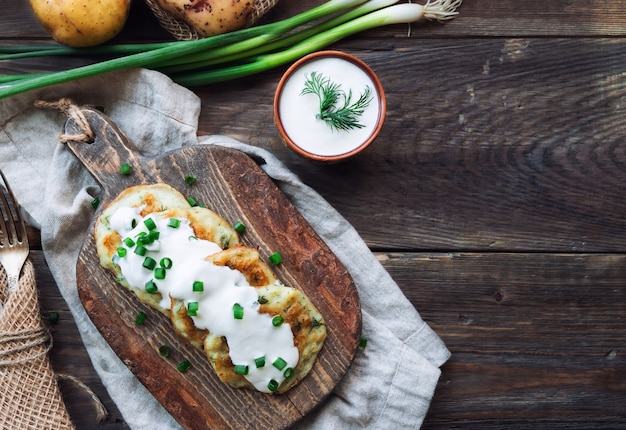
(392, 380)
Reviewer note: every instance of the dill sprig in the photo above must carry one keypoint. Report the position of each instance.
(336, 107)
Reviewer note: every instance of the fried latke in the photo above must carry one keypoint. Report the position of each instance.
(164, 202)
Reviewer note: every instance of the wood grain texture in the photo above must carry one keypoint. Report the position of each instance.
(493, 196)
(231, 184)
(537, 339)
(481, 18)
(68, 355)
(491, 144)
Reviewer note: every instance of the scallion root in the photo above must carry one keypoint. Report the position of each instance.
(441, 10)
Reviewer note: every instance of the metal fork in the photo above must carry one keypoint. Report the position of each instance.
(13, 238)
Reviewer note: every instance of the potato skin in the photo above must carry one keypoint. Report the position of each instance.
(81, 23)
(210, 17)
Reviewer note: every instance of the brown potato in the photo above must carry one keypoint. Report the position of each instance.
(210, 17)
(81, 23)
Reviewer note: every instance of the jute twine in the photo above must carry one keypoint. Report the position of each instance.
(182, 31)
(29, 394)
(66, 106)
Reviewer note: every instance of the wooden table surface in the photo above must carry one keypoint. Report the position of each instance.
(493, 196)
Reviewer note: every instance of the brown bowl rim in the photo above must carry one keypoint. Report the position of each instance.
(382, 100)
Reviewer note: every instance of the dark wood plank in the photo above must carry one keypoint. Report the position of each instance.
(477, 18)
(69, 356)
(231, 184)
(494, 191)
(536, 339)
(495, 145)
(519, 326)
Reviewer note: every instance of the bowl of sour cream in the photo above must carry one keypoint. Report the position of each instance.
(329, 106)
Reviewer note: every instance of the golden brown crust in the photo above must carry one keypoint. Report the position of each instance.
(307, 324)
(241, 258)
(184, 326)
(247, 261)
(163, 201)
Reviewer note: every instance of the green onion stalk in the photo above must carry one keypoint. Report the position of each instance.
(225, 54)
(236, 54)
(170, 50)
(396, 14)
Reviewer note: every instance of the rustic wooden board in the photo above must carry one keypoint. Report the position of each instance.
(230, 183)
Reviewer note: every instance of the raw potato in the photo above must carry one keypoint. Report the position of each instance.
(210, 17)
(81, 23)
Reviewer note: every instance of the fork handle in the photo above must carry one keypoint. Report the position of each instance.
(13, 282)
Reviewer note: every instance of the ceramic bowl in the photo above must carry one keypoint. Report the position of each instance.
(296, 114)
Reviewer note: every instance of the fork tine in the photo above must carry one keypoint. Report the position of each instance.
(10, 218)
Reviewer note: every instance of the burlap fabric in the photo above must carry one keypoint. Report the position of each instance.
(181, 31)
(29, 394)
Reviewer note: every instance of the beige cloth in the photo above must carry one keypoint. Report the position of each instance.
(29, 394)
(392, 380)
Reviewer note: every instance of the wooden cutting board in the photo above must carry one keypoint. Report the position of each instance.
(233, 185)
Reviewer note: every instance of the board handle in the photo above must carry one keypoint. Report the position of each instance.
(104, 154)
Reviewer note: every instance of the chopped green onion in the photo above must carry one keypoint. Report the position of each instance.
(174, 223)
(141, 250)
(279, 363)
(237, 311)
(362, 343)
(144, 238)
(241, 369)
(129, 242)
(288, 373)
(259, 362)
(151, 287)
(149, 263)
(164, 350)
(277, 321)
(192, 309)
(225, 241)
(192, 201)
(159, 273)
(276, 258)
(150, 224)
(190, 180)
(272, 385)
(125, 169)
(166, 263)
(121, 252)
(262, 300)
(316, 323)
(140, 318)
(53, 317)
(95, 202)
(239, 227)
(198, 286)
(183, 366)
(154, 235)
(133, 223)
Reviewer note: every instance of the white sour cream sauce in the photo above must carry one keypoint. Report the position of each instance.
(297, 112)
(248, 338)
